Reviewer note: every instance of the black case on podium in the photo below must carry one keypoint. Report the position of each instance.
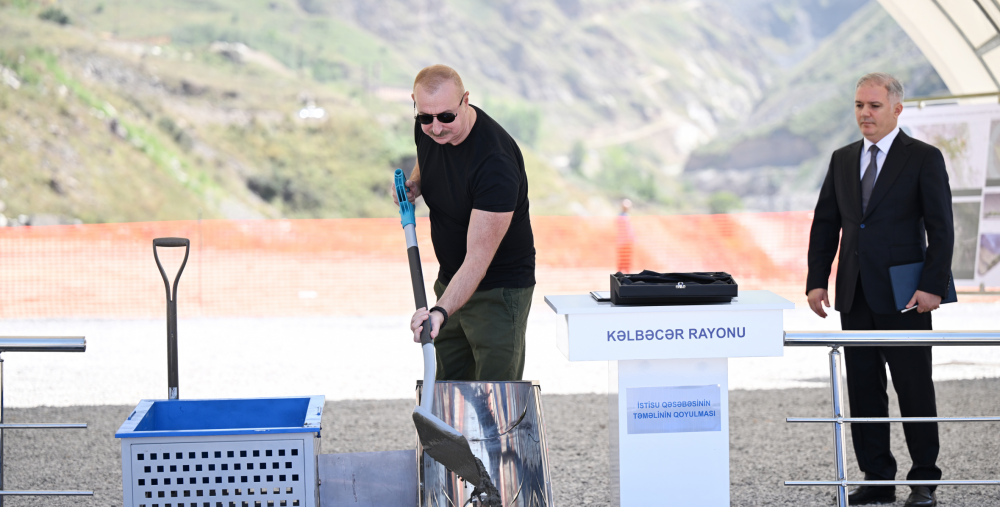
(652, 288)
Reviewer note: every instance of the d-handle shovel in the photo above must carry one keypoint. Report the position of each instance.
(439, 440)
(172, 392)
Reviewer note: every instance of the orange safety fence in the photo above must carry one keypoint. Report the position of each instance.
(358, 266)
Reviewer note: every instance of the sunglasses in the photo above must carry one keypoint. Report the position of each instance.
(427, 119)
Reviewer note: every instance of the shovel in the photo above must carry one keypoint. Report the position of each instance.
(172, 390)
(439, 440)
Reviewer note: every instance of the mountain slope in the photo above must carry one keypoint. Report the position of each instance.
(156, 109)
(778, 156)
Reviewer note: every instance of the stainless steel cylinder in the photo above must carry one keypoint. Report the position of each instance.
(505, 428)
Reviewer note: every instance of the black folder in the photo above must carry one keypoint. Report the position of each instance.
(905, 280)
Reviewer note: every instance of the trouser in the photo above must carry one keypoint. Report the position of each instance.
(866, 388)
(484, 340)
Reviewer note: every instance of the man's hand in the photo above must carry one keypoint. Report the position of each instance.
(412, 192)
(417, 323)
(817, 298)
(925, 301)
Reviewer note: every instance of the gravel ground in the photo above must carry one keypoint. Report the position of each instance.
(764, 449)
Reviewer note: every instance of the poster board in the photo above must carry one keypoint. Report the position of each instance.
(969, 138)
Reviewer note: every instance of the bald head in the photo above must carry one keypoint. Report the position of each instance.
(437, 90)
(430, 79)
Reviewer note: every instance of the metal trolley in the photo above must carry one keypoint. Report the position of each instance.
(837, 339)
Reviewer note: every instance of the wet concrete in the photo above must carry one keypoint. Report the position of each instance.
(486, 494)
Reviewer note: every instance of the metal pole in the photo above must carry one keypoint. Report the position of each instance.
(44, 426)
(172, 387)
(45, 493)
(890, 338)
(200, 244)
(1, 430)
(894, 483)
(856, 420)
(838, 427)
(43, 344)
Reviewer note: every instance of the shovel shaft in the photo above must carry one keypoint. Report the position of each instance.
(439, 440)
(417, 279)
(419, 292)
(172, 387)
(430, 370)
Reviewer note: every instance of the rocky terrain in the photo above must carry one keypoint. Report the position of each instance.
(300, 108)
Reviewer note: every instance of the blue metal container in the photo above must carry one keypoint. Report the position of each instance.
(227, 452)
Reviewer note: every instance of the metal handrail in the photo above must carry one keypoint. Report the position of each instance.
(42, 426)
(920, 102)
(888, 419)
(45, 493)
(981, 292)
(892, 483)
(837, 339)
(43, 344)
(37, 344)
(890, 338)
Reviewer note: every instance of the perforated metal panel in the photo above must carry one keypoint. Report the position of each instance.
(247, 473)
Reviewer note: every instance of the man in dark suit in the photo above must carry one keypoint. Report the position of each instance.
(888, 195)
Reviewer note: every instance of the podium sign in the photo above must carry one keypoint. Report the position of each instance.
(673, 409)
(668, 387)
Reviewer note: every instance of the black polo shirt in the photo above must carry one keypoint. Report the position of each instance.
(484, 172)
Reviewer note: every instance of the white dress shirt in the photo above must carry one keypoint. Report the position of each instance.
(883, 151)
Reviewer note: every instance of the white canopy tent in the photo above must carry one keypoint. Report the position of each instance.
(961, 39)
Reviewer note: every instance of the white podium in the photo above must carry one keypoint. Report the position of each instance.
(668, 393)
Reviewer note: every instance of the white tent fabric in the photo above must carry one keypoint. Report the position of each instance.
(961, 39)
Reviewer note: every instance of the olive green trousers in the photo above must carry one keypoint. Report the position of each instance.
(484, 340)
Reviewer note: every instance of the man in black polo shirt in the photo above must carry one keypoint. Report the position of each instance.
(471, 174)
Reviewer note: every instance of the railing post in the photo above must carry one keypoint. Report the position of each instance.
(837, 339)
(837, 393)
(38, 344)
(1, 430)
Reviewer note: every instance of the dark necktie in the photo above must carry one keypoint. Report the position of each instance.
(868, 180)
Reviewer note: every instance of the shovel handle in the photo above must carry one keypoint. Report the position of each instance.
(408, 221)
(406, 211)
(172, 377)
(171, 242)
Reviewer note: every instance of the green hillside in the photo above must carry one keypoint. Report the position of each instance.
(154, 109)
(105, 129)
(778, 156)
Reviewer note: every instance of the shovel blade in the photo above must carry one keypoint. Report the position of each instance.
(446, 445)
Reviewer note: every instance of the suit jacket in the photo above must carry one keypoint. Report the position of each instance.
(909, 219)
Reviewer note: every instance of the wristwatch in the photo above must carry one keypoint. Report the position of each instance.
(443, 312)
